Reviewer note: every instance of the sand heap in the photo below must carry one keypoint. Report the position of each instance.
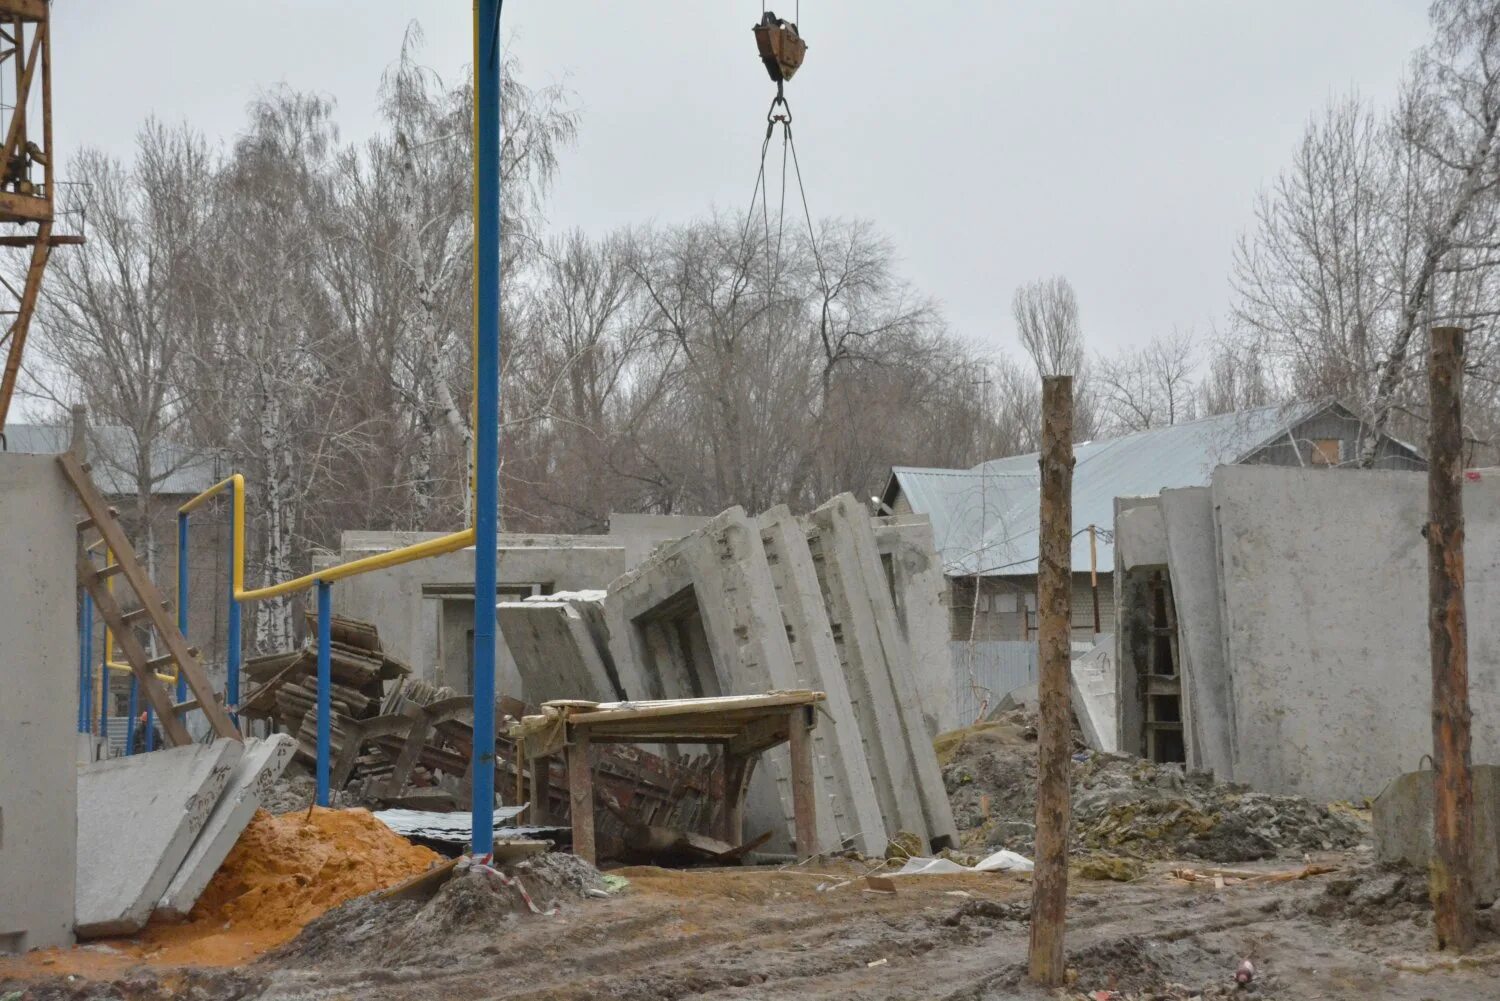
(282, 873)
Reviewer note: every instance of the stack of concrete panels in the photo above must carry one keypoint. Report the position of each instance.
(154, 828)
(877, 666)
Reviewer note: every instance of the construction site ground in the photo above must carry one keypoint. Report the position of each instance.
(1359, 932)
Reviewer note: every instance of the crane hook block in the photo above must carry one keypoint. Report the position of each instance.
(781, 48)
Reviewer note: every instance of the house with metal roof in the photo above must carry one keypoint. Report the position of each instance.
(985, 520)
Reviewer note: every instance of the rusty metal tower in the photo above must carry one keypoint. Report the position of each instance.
(27, 209)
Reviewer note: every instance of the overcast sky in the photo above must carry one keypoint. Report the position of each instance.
(1120, 144)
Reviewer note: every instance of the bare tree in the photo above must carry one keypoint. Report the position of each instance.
(1149, 387)
(1046, 313)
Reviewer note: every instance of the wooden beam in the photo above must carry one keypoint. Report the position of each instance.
(1049, 896)
(581, 796)
(1451, 874)
(28, 208)
(804, 799)
(26, 10)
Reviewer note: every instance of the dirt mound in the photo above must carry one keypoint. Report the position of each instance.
(1126, 806)
(461, 919)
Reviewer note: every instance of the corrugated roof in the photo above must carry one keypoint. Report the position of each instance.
(986, 519)
(178, 470)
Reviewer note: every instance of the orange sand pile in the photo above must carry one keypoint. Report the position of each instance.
(282, 872)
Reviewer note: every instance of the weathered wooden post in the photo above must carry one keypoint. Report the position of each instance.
(1049, 895)
(1451, 876)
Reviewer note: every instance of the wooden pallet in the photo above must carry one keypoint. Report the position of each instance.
(152, 614)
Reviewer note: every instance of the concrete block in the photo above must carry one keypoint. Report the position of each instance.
(699, 619)
(554, 653)
(1140, 537)
(1093, 690)
(38, 712)
(640, 534)
(846, 790)
(137, 819)
(1402, 822)
(250, 782)
(914, 571)
(1325, 612)
(878, 670)
(1208, 695)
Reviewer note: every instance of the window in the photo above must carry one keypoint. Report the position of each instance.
(1327, 451)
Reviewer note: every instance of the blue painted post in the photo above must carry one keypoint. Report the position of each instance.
(130, 720)
(325, 684)
(182, 596)
(150, 725)
(233, 653)
(487, 410)
(86, 664)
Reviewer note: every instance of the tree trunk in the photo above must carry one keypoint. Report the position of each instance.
(1054, 599)
(1451, 876)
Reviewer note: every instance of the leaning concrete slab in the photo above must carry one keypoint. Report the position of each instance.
(137, 819)
(38, 725)
(878, 669)
(915, 574)
(847, 791)
(1402, 822)
(1325, 601)
(589, 604)
(554, 652)
(1093, 691)
(249, 784)
(1193, 561)
(699, 619)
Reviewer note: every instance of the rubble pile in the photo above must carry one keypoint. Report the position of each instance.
(461, 918)
(1127, 806)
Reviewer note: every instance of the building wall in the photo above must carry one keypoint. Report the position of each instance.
(1007, 607)
(38, 714)
(1331, 426)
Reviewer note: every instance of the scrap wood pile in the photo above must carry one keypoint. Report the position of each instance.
(286, 684)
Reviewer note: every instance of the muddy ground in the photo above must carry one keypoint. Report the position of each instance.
(1359, 933)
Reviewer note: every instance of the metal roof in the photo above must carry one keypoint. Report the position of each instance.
(177, 470)
(986, 520)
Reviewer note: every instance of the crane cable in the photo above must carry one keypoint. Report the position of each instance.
(761, 189)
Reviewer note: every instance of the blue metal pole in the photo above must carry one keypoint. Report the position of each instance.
(487, 410)
(130, 720)
(325, 684)
(86, 663)
(182, 596)
(150, 724)
(233, 653)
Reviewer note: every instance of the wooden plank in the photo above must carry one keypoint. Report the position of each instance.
(804, 800)
(581, 797)
(541, 789)
(172, 727)
(687, 707)
(26, 10)
(151, 599)
(1452, 867)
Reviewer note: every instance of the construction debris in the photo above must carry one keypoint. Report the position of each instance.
(1128, 806)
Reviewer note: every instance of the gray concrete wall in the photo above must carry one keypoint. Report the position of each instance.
(914, 573)
(425, 610)
(1325, 588)
(38, 714)
(642, 533)
(1402, 823)
(1193, 560)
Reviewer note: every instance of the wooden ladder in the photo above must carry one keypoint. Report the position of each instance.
(151, 613)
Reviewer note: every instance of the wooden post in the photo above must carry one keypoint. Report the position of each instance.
(541, 790)
(1049, 895)
(736, 778)
(581, 795)
(1450, 877)
(1094, 572)
(804, 802)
